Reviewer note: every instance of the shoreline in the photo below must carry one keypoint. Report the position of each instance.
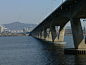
(26, 35)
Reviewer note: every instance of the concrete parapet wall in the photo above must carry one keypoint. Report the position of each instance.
(74, 51)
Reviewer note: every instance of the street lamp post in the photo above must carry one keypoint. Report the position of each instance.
(62, 1)
(42, 15)
(46, 11)
(51, 4)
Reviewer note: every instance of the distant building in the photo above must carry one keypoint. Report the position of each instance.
(13, 31)
(1, 28)
(68, 31)
(6, 29)
(25, 29)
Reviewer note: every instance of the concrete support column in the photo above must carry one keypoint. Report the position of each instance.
(37, 33)
(34, 34)
(54, 34)
(45, 33)
(50, 35)
(78, 38)
(61, 33)
(40, 33)
(42, 37)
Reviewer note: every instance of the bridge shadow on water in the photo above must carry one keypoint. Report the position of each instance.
(54, 55)
(27, 50)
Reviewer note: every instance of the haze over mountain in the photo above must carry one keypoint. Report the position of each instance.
(18, 26)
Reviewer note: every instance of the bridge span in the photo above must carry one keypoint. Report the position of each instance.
(70, 10)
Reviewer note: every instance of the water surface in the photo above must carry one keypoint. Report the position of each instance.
(27, 50)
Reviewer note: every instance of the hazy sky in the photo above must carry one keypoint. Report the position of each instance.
(31, 11)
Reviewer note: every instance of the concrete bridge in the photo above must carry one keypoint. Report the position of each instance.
(70, 10)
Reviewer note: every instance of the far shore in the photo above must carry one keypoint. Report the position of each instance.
(71, 34)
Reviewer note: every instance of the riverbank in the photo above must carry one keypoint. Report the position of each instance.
(13, 34)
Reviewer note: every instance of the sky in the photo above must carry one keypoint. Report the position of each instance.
(30, 11)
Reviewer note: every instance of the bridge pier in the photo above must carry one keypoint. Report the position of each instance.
(77, 34)
(54, 34)
(37, 33)
(50, 35)
(79, 42)
(34, 34)
(45, 33)
(61, 33)
(40, 34)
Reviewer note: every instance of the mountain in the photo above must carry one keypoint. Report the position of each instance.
(18, 26)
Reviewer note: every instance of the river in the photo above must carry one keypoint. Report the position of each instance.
(27, 50)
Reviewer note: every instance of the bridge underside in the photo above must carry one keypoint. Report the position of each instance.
(70, 10)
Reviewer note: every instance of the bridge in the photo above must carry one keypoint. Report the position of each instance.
(70, 10)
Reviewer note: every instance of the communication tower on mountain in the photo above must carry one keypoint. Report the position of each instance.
(20, 19)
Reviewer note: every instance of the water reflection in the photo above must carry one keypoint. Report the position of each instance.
(56, 56)
(80, 59)
(31, 51)
(56, 52)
